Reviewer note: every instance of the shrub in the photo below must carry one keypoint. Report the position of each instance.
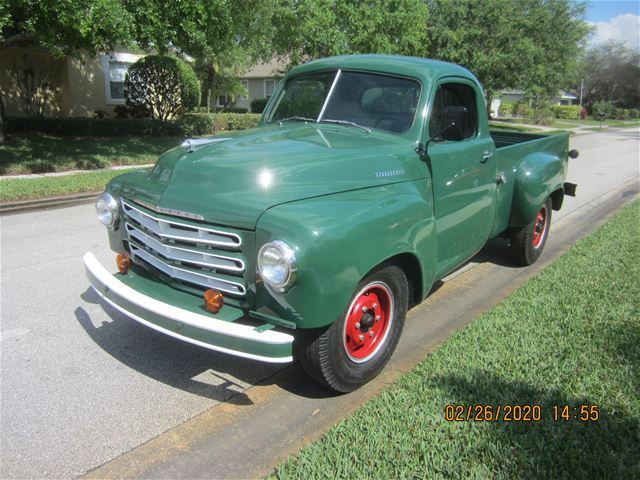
(523, 110)
(583, 113)
(634, 113)
(568, 112)
(131, 111)
(166, 86)
(506, 109)
(542, 116)
(92, 127)
(192, 124)
(258, 105)
(601, 106)
(236, 121)
(234, 110)
(621, 114)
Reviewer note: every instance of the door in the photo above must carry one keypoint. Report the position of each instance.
(463, 172)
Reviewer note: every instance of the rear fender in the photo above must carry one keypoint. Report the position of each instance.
(538, 176)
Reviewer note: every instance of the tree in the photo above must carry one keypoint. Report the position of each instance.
(524, 44)
(611, 73)
(62, 27)
(309, 29)
(166, 86)
(219, 34)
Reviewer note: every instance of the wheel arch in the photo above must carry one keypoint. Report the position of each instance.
(409, 263)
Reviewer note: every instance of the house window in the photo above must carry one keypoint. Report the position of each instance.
(245, 85)
(269, 87)
(222, 100)
(115, 67)
(117, 72)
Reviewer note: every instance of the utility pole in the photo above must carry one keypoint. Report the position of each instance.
(581, 89)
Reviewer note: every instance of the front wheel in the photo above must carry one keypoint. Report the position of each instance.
(355, 348)
(528, 242)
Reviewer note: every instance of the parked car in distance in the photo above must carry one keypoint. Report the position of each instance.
(369, 178)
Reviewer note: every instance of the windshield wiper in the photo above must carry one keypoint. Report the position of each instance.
(346, 122)
(297, 117)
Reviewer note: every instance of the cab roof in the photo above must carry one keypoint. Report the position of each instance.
(424, 69)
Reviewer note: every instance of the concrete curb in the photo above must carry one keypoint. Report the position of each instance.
(45, 203)
(55, 202)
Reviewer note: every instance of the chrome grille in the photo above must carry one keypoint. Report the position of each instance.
(200, 256)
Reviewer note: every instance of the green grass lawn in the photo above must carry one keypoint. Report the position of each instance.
(592, 122)
(568, 336)
(30, 188)
(45, 153)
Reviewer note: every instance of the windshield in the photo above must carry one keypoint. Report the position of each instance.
(351, 98)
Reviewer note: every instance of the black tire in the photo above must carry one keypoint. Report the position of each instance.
(528, 242)
(329, 355)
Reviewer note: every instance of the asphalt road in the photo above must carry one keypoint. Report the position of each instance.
(81, 385)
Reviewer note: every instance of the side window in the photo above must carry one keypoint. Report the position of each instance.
(453, 95)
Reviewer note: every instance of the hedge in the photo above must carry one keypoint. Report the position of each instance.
(92, 127)
(568, 112)
(188, 125)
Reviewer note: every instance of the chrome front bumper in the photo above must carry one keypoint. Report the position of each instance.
(219, 332)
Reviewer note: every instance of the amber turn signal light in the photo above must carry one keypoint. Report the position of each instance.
(213, 301)
(124, 263)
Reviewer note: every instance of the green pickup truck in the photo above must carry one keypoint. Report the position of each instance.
(368, 178)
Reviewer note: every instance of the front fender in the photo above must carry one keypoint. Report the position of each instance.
(338, 238)
(538, 175)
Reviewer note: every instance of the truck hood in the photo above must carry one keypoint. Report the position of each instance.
(232, 180)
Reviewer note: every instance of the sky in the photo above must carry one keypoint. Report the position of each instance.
(617, 20)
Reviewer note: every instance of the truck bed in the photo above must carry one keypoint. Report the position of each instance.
(525, 152)
(506, 139)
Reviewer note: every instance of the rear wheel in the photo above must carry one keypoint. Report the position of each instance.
(527, 242)
(353, 350)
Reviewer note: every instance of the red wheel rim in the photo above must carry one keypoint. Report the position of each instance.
(368, 322)
(539, 227)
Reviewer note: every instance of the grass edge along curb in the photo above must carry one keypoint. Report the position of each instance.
(18, 189)
(568, 336)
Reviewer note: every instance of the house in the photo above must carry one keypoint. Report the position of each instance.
(515, 96)
(33, 82)
(260, 82)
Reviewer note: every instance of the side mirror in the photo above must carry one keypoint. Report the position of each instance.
(455, 119)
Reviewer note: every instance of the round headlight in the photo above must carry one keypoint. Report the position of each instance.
(107, 210)
(277, 265)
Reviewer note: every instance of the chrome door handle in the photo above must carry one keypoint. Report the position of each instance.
(486, 156)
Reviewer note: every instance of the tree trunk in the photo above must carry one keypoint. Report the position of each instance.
(3, 124)
(211, 82)
(489, 100)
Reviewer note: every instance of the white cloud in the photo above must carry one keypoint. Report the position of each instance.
(623, 28)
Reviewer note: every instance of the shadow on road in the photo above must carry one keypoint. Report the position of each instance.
(196, 370)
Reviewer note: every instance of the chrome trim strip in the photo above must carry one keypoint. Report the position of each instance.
(106, 280)
(168, 211)
(180, 254)
(162, 228)
(326, 102)
(186, 275)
